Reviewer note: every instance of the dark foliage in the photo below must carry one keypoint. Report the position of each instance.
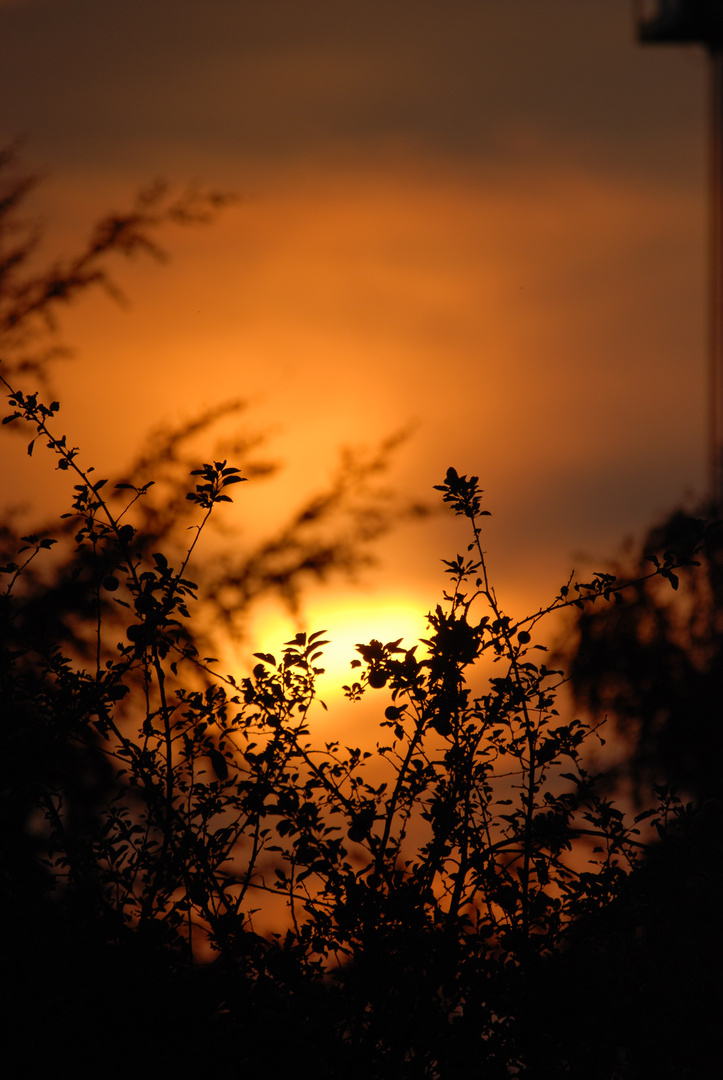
(654, 662)
(437, 889)
(456, 899)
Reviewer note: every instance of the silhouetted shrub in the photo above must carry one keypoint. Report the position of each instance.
(456, 898)
(434, 884)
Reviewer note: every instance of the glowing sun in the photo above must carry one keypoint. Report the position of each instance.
(347, 621)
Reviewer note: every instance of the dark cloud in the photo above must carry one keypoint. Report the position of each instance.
(103, 81)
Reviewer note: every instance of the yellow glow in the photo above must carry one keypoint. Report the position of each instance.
(347, 621)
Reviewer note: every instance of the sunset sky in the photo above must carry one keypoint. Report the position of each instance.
(483, 217)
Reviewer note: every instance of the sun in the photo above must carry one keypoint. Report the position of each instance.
(347, 620)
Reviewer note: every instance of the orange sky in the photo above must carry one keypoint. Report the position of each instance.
(486, 217)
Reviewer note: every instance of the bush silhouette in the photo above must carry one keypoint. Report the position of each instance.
(457, 898)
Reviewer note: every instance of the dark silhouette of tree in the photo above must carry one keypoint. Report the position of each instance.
(32, 298)
(653, 662)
